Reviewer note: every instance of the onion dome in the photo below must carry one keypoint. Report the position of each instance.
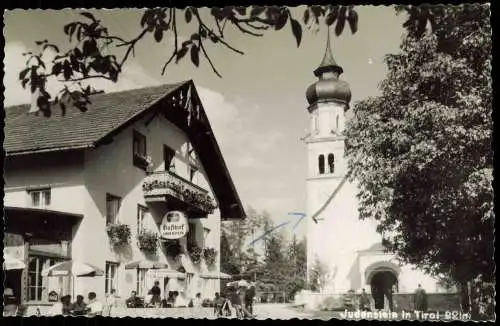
(329, 88)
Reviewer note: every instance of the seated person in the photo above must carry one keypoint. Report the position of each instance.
(133, 301)
(79, 307)
(95, 307)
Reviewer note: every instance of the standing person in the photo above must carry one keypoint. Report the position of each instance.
(235, 300)
(110, 302)
(364, 301)
(249, 296)
(156, 294)
(95, 306)
(420, 299)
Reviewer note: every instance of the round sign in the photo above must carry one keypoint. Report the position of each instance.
(174, 225)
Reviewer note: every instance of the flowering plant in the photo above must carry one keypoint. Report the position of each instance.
(148, 241)
(210, 255)
(198, 199)
(195, 252)
(119, 234)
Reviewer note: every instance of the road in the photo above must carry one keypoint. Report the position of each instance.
(278, 311)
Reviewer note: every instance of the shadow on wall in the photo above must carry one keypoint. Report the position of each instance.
(123, 252)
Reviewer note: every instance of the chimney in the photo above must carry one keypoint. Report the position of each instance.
(34, 97)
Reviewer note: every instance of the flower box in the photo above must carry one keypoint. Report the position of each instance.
(210, 255)
(195, 252)
(119, 234)
(148, 241)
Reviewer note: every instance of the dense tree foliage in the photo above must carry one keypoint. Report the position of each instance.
(280, 267)
(92, 52)
(421, 151)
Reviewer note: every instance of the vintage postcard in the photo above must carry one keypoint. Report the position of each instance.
(314, 162)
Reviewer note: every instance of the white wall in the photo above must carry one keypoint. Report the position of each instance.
(110, 169)
(63, 173)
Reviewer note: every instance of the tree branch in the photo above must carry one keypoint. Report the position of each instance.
(219, 39)
(174, 28)
(202, 47)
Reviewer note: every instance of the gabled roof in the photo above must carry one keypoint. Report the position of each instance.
(108, 114)
(30, 132)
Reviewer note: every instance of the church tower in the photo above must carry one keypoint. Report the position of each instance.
(328, 100)
(346, 249)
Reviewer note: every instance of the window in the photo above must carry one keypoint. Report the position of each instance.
(112, 208)
(206, 232)
(141, 282)
(142, 211)
(191, 236)
(331, 163)
(37, 284)
(40, 198)
(168, 158)
(192, 172)
(321, 164)
(337, 122)
(111, 276)
(139, 150)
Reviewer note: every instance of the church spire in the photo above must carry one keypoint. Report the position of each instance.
(328, 64)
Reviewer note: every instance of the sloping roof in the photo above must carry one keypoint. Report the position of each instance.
(31, 132)
(107, 115)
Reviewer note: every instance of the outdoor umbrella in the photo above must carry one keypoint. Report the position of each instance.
(11, 263)
(240, 283)
(146, 264)
(72, 269)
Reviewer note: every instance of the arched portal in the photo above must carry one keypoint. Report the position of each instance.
(383, 280)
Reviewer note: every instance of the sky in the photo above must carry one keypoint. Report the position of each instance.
(257, 109)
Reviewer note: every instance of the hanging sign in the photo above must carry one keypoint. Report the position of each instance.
(174, 225)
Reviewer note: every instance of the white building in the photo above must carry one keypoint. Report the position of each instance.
(349, 248)
(71, 177)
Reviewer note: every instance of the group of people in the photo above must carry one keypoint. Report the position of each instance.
(238, 299)
(419, 300)
(93, 307)
(174, 298)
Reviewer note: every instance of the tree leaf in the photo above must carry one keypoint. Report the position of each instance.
(67, 71)
(89, 48)
(23, 73)
(296, 30)
(307, 16)
(51, 46)
(188, 15)
(181, 53)
(339, 28)
(256, 11)
(56, 68)
(195, 55)
(88, 15)
(353, 21)
(281, 20)
(332, 16)
(158, 35)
